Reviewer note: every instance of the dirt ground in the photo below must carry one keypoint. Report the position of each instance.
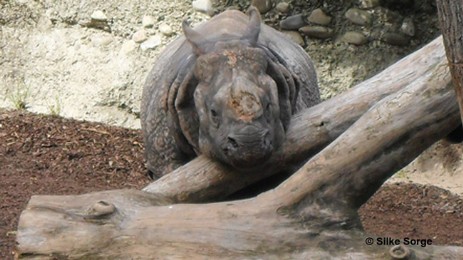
(53, 155)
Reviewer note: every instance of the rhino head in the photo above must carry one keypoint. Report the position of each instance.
(235, 99)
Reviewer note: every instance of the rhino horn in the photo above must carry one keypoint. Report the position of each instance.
(193, 37)
(251, 34)
(244, 99)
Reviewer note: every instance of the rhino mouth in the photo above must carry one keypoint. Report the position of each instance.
(247, 150)
(248, 162)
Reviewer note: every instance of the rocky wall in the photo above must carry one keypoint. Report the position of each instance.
(89, 59)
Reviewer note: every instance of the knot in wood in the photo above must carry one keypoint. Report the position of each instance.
(400, 252)
(101, 208)
(283, 211)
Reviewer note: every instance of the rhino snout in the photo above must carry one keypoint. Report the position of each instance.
(248, 146)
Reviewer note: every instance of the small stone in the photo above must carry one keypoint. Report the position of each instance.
(44, 24)
(101, 40)
(127, 47)
(292, 22)
(376, 34)
(316, 31)
(395, 39)
(98, 16)
(408, 27)
(319, 17)
(139, 36)
(203, 6)
(355, 38)
(165, 29)
(368, 4)
(262, 5)
(148, 21)
(151, 43)
(385, 15)
(295, 37)
(358, 16)
(282, 7)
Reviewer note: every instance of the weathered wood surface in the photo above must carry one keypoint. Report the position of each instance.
(385, 139)
(311, 215)
(66, 227)
(310, 131)
(451, 22)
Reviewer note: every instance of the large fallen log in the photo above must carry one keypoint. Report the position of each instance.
(312, 215)
(310, 131)
(451, 23)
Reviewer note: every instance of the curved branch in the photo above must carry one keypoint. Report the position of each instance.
(386, 138)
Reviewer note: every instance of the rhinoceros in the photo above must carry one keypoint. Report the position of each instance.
(226, 89)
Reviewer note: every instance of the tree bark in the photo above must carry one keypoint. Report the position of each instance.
(310, 131)
(311, 215)
(451, 22)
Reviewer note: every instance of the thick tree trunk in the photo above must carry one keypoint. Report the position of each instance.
(310, 131)
(311, 215)
(451, 21)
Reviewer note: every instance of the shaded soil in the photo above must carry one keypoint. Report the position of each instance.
(415, 211)
(52, 155)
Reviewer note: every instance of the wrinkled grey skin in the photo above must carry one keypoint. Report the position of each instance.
(227, 89)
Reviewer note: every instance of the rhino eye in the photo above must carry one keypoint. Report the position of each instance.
(268, 112)
(215, 118)
(267, 108)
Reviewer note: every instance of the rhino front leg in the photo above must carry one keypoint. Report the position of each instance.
(162, 153)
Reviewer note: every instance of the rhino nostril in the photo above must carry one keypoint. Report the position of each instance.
(232, 142)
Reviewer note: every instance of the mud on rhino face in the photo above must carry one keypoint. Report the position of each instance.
(237, 105)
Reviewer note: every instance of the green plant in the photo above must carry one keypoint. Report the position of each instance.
(18, 96)
(55, 109)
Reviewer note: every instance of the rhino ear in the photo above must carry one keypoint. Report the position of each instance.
(251, 33)
(193, 37)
